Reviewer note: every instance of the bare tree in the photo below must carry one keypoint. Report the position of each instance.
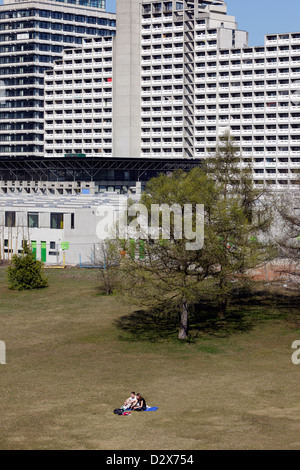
(286, 234)
(108, 260)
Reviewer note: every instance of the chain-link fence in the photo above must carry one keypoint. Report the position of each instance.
(55, 254)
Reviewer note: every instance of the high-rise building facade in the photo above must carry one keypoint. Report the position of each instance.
(199, 78)
(182, 75)
(180, 42)
(78, 101)
(32, 35)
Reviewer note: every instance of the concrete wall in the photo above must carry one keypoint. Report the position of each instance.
(126, 82)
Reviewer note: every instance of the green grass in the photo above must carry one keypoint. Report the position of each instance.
(74, 355)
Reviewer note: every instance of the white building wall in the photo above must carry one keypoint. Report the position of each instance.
(83, 239)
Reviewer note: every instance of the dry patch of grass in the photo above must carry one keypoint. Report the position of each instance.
(69, 365)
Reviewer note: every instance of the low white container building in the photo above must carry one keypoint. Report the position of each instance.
(60, 229)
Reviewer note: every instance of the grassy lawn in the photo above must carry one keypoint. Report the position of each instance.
(73, 355)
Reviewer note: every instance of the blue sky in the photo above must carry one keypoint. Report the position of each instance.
(275, 16)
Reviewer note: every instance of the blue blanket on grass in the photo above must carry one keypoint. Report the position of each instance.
(151, 408)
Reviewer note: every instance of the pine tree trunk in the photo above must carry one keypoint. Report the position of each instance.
(184, 321)
(224, 301)
(222, 310)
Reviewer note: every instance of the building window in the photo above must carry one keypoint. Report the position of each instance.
(72, 221)
(44, 13)
(80, 18)
(52, 245)
(56, 15)
(68, 17)
(53, 253)
(33, 220)
(168, 6)
(10, 219)
(56, 220)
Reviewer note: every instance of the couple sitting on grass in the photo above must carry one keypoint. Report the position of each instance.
(135, 402)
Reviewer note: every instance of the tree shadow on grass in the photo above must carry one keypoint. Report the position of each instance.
(271, 303)
(246, 310)
(152, 325)
(149, 325)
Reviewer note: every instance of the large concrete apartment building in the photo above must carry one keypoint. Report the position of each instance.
(174, 77)
(182, 74)
(32, 35)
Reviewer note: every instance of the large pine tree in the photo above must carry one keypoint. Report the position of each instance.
(169, 273)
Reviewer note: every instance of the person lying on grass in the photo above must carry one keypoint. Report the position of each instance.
(141, 405)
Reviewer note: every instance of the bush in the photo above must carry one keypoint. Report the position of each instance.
(25, 272)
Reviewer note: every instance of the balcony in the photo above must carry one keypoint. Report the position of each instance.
(283, 41)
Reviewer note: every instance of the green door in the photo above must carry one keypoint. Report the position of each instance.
(33, 247)
(43, 252)
(142, 249)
